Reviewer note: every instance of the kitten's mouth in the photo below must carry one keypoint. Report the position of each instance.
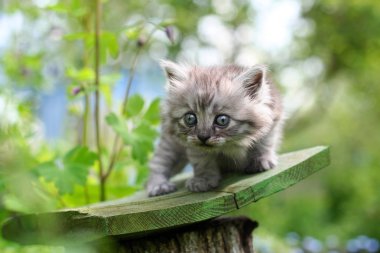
(205, 145)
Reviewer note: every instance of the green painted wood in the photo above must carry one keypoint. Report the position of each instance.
(139, 215)
(292, 168)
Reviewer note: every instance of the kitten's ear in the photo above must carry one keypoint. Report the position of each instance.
(254, 80)
(174, 72)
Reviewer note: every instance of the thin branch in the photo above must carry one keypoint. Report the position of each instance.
(86, 24)
(130, 79)
(116, 144)
(87, 27)
(85, 119)
(117, 149)
(102, 196)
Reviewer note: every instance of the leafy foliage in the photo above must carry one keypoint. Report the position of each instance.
(139, 137)
(71, 171)
(71, 178)
(134, 106)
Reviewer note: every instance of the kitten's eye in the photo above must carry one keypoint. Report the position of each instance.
(190, 119)
(222, 120)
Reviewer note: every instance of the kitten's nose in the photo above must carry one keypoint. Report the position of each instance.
(203, 137)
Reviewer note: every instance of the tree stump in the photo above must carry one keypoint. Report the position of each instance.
(226, 234)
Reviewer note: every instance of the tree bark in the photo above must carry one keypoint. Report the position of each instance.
(226, 234)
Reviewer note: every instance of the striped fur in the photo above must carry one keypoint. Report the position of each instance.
(247, 144)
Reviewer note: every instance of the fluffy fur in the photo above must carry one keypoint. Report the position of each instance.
(249, 103)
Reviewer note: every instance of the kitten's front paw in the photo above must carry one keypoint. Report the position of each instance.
(161, 189)
(201, 184)
(262, 163)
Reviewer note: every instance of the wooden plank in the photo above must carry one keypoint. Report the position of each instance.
(130, 218)
(292, 168)
(139, 215)
(157, 213)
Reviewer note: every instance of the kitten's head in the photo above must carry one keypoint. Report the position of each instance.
(213, 108)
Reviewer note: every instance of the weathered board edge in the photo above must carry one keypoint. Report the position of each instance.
(175, 216)
(279, 182)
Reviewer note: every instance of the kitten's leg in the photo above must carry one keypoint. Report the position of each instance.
(206, 172)
(168, 159)
(264, 155)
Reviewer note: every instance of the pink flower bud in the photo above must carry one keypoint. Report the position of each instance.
(169, 31)
(76, 90)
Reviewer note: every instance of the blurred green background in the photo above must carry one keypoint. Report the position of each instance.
(324, 54)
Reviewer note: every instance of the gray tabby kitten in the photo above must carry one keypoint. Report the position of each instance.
(223, 118)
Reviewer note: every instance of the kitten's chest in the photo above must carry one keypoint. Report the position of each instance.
(232, 160)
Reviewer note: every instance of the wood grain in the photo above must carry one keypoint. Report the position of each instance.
(139, 215)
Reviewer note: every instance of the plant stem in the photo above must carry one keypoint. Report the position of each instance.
(85, 119)
(116, 150)
(102, 195)
(87, 27)
(130, 79)
(86, 24)
(115, 147)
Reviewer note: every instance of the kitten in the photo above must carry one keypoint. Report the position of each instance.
(222, 118)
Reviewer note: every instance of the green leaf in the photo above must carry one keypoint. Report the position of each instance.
(78, 9)
(152, 115)
(106, 91)
(112, 120)
(110, 42)
(107, 83)
(81, 75)
(70, 171)
(140, 151)
(117, 125)
(135, 105)
(142, 173)
(145, 131)
(80, 156)
(133, 33)
(141, 140)
(167, 22)
(58, 8)
(76, 36)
